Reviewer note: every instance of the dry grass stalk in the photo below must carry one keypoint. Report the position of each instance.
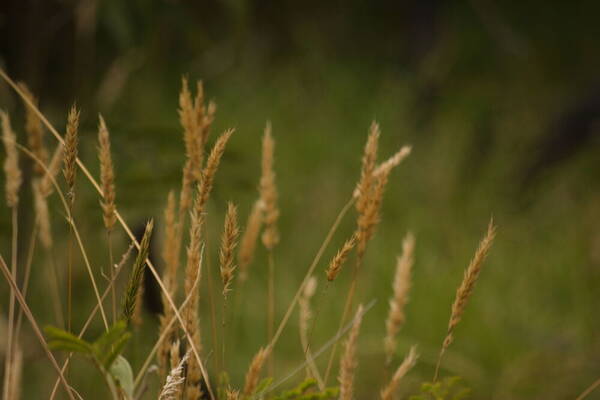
(16, 373)
(190, 312)
(228, 243)
(233, 394)
(349, 363)
(401, 286)
(136, 274)
(34, 130)
(170, 252)
(171, 257)
(107, 176)
(174, 381)
(249, 239)
(253, 374)
(46, 186)
(409, 361)
(305, 309)
(70, 159)
(12, 171)
(340, 258)
(268, 191)
(466, 287)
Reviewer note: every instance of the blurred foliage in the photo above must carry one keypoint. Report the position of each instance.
(500, 100)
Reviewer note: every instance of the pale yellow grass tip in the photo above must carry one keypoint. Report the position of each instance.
(12, 170)
(401, 287)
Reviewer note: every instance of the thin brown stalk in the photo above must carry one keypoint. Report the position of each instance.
(349, 363)
(249, 239)
(465, 289)
(253, 374)
(388, 392)
(170, 256)
(340, 258)
(401, 287)
(15, 372)
(589, 390)
(12, 340)
(9, 278)
(13, 183)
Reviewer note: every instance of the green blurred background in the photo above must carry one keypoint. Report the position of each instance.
(500, 101)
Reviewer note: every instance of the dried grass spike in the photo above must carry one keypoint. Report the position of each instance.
(210, 170)
(14, 177)
(466, 287)
(228, 243)
(365, 183)
(136, 276)
(401, 287)
(253, 374)
(409, 361)
(70, 159)
(392, 162)
(340, 258)
(42, 215)
(249, 238)
(107, 176)
(34, 130)
(174, 382)
(268, 191)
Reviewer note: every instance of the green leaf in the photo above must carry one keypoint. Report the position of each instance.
(63, 340)
(118, 346)
(108, 338)
(122, 373)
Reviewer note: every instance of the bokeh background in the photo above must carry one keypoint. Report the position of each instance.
(500, 101)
